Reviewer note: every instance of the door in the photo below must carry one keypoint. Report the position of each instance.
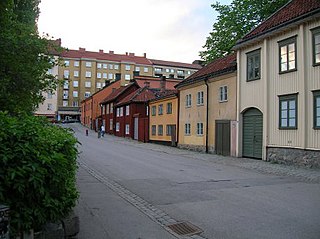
(136, 128)
(222, 144)
(252, 134)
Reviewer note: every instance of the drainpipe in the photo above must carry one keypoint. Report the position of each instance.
(207, 116)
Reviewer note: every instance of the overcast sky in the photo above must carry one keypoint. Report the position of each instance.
(172, 30)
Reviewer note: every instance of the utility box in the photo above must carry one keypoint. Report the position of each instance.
(4, 222)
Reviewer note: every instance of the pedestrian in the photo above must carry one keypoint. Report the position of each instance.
(87, 132)
(102, 130)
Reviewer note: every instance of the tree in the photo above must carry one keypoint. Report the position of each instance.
(233, 22)
(25, 57)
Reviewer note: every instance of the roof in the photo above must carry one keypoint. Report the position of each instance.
(155, 82)
(116, 92)
(115, 84)
(166, 94)
(176, 64)
(139, 96)
(218, 67)
(82, 53)
(293, 11)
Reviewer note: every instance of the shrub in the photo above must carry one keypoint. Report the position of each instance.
(37, 171)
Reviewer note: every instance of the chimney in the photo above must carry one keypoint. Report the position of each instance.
(163, 84)
(114, 89)
(131, 54)
(147, 84)
(111, 52)
(145, 55)
(82, 49)
(100, 51)
(126, 53)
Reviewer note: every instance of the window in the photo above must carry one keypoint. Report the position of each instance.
(199, 128)
(65, 103)
(75, 83)
(88, 74)
(66, 84)
(110, 76)
(107, 109)
(111, 124)
(75, 103)
(167, 70)
(287, 55)
(104, 66)
(118, 112)
(127, 109)
(153, 129)
(145, 69)
(99, 65)
(87, 84)
(110, 66)
(111, 108)
(65, 94)
(316, 109)
(87, 94)
(75, 93)
(66, 63)
(116, 67)
(121, 111)
(158, 70)
(50, 107)
(127, 67)
(187, 129)
(253, 65)
(172, 70)
(137, 68)
(117, 126)
(223, 96)
(160, 129)
(153, 110)
(316, 46)
(76, 73)
(98, 75)
(188, 100)
(127, 77)
(66, 74)
(76, 63)
(200, 98)
(104, 75)
(160, 109)
(88, 64)
(49, 95)
(180, 72)
(127, 129)
(99, 85)
(147, 110)
(189, 72)
(169, 108)
(170, 129)
(288, 112)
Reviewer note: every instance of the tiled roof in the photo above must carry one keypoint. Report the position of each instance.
(291, 12)
(155, 82)
(218, 67)
(113, 95)
(176, 64)
(106, 56)
(140, 95)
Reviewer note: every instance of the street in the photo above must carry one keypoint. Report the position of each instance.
(131, 190)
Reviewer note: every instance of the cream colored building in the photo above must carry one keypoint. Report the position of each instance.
(86, 72)
(207, 108)
(279, 87)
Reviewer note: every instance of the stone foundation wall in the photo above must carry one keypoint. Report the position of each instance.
(197, 148)
(290, 156)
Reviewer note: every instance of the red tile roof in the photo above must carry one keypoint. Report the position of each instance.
(117, 92)
(291, 12)
(218, 67)
(139, 96)
(176, 64)
(155, 82)
(106, 56)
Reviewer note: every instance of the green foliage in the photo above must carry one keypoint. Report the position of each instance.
(233, 22)
(25, 57)
(37, 171)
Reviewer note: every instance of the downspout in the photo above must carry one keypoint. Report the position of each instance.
(178, 123)
(207, 116)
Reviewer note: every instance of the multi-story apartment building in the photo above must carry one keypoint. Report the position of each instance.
(85, 72)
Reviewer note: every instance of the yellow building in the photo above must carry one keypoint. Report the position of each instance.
(163, 118)
(207, 108)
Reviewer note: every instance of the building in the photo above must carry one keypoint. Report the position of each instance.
(91, 109)
(279, 86)
(85, 72)
(207, 108)
(49, 106)
(163, 119)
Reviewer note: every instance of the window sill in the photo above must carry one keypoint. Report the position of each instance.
(248, 80)
(316, 64)
(289, 71)
(288, 128)
(200, 104)
(223, 101)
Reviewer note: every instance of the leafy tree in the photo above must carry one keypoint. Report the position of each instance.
(25, 57)
(233, 22)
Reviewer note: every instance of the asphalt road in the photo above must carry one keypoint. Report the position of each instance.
(134, 190)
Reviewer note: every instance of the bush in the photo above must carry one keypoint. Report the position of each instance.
(37, 171)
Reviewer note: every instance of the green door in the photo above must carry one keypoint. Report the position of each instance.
(222, 137)
(252, 134)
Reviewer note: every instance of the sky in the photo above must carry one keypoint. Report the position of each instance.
(173, 30)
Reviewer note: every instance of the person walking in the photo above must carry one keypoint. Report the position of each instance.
(102, 130)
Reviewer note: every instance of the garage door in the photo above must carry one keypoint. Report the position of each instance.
(252, 134)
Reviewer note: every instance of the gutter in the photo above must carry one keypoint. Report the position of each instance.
(207, 116)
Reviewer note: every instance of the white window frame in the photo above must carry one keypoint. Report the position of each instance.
(223, 93)
(127, 110)
(145, 69)
(99, 75)
(99, 65)
(87, 84)
(128, 67)
(187, 129)
(104, 75)
(75, 94)
(75, 73)
(76, 63)
(88, 74)
(88, 64)
(117, 127)
(127, 129)
(75, 83)
(127, 77)
(67, 63)
(200, 96)
(200, 129)
(99, 85)
(116, 67)
(188, 100)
